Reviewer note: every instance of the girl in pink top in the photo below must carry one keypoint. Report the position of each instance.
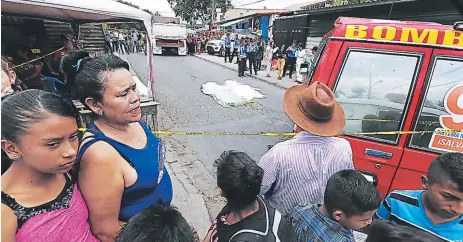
(40, 200)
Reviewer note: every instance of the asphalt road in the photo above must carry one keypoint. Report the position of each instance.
(185, 108)
(178, 82)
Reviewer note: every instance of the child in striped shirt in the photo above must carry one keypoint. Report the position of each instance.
(438, 209)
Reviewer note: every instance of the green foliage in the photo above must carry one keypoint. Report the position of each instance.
(128, 3)
(135, 6)
(357, 92)
(191, 10)
(148, 11)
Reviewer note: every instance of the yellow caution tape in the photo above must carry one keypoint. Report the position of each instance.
(38, 58)
(386, 120)
(447, 131)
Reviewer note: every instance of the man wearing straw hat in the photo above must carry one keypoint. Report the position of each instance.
(296, 171)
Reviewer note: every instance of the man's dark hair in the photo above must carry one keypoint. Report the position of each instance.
(386, 231)
(350, 192)
(239, 177)
(315, 48)
(157, 223)
(447, 166)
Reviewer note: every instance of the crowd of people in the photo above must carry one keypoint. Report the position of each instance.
(125, 41)
(30, 68)
(111, 183)
(27, 69)
(252, 53)
(255, 51)
(196, 43)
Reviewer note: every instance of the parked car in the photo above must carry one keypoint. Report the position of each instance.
(214, 47)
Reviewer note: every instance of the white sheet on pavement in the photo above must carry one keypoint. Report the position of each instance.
(231, 93)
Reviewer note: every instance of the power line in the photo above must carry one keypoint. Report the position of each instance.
(241, 1)
(258, 1)
(447, 83)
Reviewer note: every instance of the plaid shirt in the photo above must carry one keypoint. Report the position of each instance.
(311, 225)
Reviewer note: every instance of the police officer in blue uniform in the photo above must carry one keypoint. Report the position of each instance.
(291, 61)
(252, 55)
(242, 57)
(227, 46)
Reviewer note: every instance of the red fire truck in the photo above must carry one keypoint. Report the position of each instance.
(398, 83)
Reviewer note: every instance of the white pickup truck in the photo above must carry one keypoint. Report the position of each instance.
(169, 38)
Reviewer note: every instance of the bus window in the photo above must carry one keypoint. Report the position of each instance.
(446, 74)
(373, 89)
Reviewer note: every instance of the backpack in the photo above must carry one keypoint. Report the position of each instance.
(274, 225)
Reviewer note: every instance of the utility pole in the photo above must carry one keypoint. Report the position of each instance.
(370, 84)
(213, 14)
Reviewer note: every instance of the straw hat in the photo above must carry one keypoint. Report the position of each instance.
(315, 109)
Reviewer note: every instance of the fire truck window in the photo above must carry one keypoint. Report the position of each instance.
(373, 90)
(445, 74)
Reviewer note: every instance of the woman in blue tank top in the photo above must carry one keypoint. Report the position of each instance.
(121, 168)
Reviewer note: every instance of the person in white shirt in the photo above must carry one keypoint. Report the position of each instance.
(268, 58)
(302, 56)
(122, 43)
(135, 41)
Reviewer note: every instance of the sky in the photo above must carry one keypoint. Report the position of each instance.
(163, 7)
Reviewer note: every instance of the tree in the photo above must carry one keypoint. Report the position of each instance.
(148, 11)
(135, 6)
(191, 10)
(357, 92)
(339, 94)
(128, 3)
(157, 14)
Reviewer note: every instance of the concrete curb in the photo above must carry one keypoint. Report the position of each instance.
(252, 76)
(187, 198)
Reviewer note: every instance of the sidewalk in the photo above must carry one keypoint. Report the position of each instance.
(285, 83)
(187, 198)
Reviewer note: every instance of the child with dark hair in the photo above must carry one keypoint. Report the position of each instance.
(246, 217)
(157, 223)
(40, 200)
(386, 231)
(438, 209)
(349, 204)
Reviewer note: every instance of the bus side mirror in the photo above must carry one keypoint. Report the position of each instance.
(458, 26)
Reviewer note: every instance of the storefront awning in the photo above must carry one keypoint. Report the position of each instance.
(235, 22)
